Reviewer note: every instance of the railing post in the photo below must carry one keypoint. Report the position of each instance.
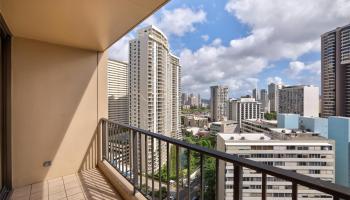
(103, 140)
(168, 170)
(134, 158)
(263, 186)
(237, 187)
(294, 191)
(217, 178)
(106, 143)
(202, 175)
(177, 173)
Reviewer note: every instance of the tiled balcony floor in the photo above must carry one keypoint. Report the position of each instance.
(87, 185)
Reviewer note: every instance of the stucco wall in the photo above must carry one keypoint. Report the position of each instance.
(58, 95)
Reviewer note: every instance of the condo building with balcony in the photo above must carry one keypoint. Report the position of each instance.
(335, 70)
(154, 86)
(302, 153)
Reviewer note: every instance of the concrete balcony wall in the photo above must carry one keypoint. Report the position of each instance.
(59, 93)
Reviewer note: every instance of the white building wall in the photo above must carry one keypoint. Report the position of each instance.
(151, 90)
(288, 154)
(117, 77)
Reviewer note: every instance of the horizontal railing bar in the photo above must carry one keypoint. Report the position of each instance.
(307, 181)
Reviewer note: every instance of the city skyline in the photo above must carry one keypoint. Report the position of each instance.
(202, 43)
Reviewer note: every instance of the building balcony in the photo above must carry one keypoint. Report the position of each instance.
(123, 163)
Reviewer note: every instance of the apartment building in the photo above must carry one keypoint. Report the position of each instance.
(273, 93)
(257, 125)
(302, 153)
(154, 85)
(335, 69)
(265, 102)
(176, 94)
(118, 104)
(244, 108)
(303, 100)
(218, 103)
(224, 127)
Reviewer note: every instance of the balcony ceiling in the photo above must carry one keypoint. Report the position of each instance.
(87, 24)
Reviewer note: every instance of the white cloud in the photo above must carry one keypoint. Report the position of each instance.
(279, 29)
(217, 64)
(275, 79)
(286, 29)
(179, 21)
(205, 37)
(175, 22)
(296, 68)
(120, 49)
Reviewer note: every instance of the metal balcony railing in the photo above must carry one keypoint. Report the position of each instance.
(129, 151)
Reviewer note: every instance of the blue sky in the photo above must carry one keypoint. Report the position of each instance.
(245, 43)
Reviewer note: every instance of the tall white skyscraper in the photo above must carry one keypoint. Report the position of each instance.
(154, 86)
(273, 91)
(117, 77)
(218, 103)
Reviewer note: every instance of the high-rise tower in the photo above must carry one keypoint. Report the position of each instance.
(335, 72)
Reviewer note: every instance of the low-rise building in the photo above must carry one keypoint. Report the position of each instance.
(224, 127)
(314, 124)
(196, 121)
(290, 121)
(258, 125)
(303, 153)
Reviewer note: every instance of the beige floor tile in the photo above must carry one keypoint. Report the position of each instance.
(87, 185)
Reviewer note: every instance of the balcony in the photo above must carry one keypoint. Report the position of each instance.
(127, 162)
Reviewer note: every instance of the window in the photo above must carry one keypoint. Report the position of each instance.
(314, 171)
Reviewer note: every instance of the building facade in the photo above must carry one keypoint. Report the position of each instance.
(118, 104)
(335, 72)
(265, 102)
(218, 103)
(273, 91)
(244, 108)
(287, 120)
(303, 100)
(195, 121)
(257, 126)
(256, 94)
(154, 86)
(314, 124)
(339, 131)
(306, 154)
(223, 127)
